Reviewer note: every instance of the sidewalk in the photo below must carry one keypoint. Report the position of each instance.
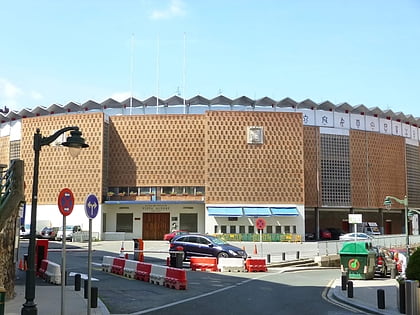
(365, 295)
(48, 300)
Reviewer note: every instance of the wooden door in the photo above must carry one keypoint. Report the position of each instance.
(155, 225)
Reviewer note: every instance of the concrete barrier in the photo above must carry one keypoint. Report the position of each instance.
(53, 273)
(231, 264)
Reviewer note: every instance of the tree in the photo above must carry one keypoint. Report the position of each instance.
(413, 267)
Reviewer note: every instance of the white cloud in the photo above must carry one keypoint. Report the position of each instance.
(176, 8)
(9, 93)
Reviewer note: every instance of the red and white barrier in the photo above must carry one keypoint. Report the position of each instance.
(174, 278)
(41, 270)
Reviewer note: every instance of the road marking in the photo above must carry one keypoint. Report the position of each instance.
(325, 296)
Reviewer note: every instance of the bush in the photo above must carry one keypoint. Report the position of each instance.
(413, 266)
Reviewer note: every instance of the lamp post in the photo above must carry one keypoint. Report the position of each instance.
(404, 202)
(75, 143)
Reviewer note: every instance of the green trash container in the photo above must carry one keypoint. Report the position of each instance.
(358, 259)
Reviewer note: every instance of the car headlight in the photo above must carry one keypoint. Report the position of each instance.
(233, 253)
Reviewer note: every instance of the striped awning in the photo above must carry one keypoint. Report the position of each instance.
(290, 211)
(225, 211)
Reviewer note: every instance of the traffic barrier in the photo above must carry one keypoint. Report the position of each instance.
(117, 266)
(203, 263)
(176, 278)
(158, 274)
(256, 264)
(130, 268)
(143, 271)
(231, 264)
(42, 269)
(107, 263)
(53, 273)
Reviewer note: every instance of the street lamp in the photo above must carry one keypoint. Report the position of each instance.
(75, 143)
(404, 202)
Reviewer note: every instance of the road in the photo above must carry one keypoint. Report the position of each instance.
(272, 292)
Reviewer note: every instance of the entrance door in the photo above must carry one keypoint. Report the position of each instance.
(388, 227)
(155, 225)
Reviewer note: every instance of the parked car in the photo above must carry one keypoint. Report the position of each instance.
(309, 236)
(25, 231)
(335, 233)
(170, 236)
(205, 246)
(324, 234)
(70, 229)
(49, 233)
(355, 236)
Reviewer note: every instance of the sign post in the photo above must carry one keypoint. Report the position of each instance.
(260, 223)
(65, 205)
(355, 219)
(91, 209)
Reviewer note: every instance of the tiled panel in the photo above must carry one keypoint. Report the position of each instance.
(4, 150)
(311, 145)
(156, 150)
(57, 169)
(378, 168)
(238, 172)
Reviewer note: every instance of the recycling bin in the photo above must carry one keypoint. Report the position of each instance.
(359, 259)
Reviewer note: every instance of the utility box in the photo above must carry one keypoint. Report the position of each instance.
(358, 259)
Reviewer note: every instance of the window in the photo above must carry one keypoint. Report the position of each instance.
(278, 229)
(251, 229)
(286, 229)
(233, 229)
(232, 218)
(14, 150)
(223, 229)
(269, 229)
(294, 229)
(125, 222)
(216, 227)
(188, 222)
(242, 229)
(167, 190)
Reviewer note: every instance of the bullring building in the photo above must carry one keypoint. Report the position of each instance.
(216, 165)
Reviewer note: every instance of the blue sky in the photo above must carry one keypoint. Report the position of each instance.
(359, 52)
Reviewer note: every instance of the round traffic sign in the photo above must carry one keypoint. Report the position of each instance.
(65, 201)
(91, 206)
(260, 223)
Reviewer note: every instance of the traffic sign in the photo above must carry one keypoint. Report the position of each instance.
(65, 201)
(260, 223)
(91, 206)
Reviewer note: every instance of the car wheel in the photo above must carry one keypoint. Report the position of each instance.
(222, 255)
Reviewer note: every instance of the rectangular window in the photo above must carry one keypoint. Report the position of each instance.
(287, 229)
(232, 218)
(232, 229)
(167, 190)
(251, 229)
(125, 222)
(223, 229)
(278, 229)
(14, 150)
(216, 229)
(242, 229)
(269, 229)
(294, 229)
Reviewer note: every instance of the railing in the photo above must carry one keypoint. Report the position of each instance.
(254, 237)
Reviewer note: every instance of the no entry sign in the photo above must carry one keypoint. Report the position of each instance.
(66, 201)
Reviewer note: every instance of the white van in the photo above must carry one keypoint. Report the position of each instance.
(70, 229)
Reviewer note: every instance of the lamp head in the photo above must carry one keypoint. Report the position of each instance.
(75, 143)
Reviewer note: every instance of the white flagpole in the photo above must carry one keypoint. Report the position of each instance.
(183, 75)
(131, 72)
(157, 77)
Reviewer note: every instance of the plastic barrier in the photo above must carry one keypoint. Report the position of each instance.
(231, 264)
(143, 271)
(130, 268)
(203, 263)
(117, 266)
(53, 273)
(176, 278)
(107, 263)
(158, 274)
(256, 264)
(42, 269)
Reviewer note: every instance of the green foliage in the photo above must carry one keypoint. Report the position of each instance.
(413, 266)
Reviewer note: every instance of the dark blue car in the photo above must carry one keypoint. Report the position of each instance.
(200, 245)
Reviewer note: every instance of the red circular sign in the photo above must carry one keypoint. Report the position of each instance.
(260, 223)
(65, 201)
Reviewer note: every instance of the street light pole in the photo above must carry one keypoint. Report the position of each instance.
(405, 203)
(73, 142)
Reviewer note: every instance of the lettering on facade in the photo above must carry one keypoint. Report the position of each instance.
(386, 128)
(324, 120)
(305, 119)
(396, 130)
(372, 125)
(342, 122)
(255, 135)
(358, 123)
(155, 208)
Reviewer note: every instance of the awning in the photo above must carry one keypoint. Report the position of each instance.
(257, 212)
(224, 212)
(292, 211)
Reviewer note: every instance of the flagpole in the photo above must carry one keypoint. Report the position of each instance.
(131, 72)
(157, 77)
(183, 75)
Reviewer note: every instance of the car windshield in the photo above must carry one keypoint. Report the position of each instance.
(216, 240)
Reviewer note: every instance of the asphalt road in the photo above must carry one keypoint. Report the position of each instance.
(272, 292)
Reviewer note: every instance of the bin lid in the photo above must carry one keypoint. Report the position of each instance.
(355, 248)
